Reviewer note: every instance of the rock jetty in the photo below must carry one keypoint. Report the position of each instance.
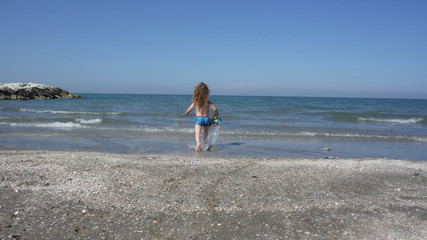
(27, 91)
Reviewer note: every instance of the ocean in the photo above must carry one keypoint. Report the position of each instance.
(254, 127)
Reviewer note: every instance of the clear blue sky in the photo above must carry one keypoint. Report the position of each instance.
(291, 48)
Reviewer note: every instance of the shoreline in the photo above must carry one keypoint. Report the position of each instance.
(225, 148)
(80, 195)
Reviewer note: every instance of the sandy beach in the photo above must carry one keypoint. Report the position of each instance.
(82, 195)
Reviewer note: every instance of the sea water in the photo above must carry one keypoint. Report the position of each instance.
(295, 127)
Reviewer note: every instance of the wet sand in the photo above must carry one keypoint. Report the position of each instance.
(82, 195)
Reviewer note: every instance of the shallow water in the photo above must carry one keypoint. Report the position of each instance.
(252, 126)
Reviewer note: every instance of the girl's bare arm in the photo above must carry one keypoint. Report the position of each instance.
(190, 108)
(213, 108)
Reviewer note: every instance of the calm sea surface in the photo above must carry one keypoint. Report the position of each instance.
(300, 127)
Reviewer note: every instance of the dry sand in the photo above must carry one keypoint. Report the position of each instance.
(81, 195)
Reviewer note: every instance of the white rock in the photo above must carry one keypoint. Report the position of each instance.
(19, 86)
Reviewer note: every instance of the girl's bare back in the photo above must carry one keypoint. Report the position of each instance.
(203, 110)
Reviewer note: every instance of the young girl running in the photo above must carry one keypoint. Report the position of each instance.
(202, 104)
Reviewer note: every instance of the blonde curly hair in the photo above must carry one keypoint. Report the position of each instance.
(201, 94)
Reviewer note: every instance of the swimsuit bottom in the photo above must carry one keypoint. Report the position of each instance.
(203, 121)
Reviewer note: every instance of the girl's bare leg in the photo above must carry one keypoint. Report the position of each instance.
(197, 130)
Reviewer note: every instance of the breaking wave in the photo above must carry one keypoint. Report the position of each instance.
(62, 125)
(392, 120)
(68, 112)
(320, 135)
(147, 131)
(89, 121)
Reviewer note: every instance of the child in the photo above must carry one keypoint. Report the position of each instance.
(202, 104)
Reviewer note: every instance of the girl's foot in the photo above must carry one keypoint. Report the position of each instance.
(198, 146)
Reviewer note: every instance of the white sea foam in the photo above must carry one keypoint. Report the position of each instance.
(67, 112)
(48, 125)
(306, 134)
(420, 139)
(392, 120)
(164, 130)
(89, 121)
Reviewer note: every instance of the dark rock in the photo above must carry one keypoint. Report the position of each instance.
(27, 91)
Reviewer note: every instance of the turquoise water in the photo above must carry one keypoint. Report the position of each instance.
(252, 126)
